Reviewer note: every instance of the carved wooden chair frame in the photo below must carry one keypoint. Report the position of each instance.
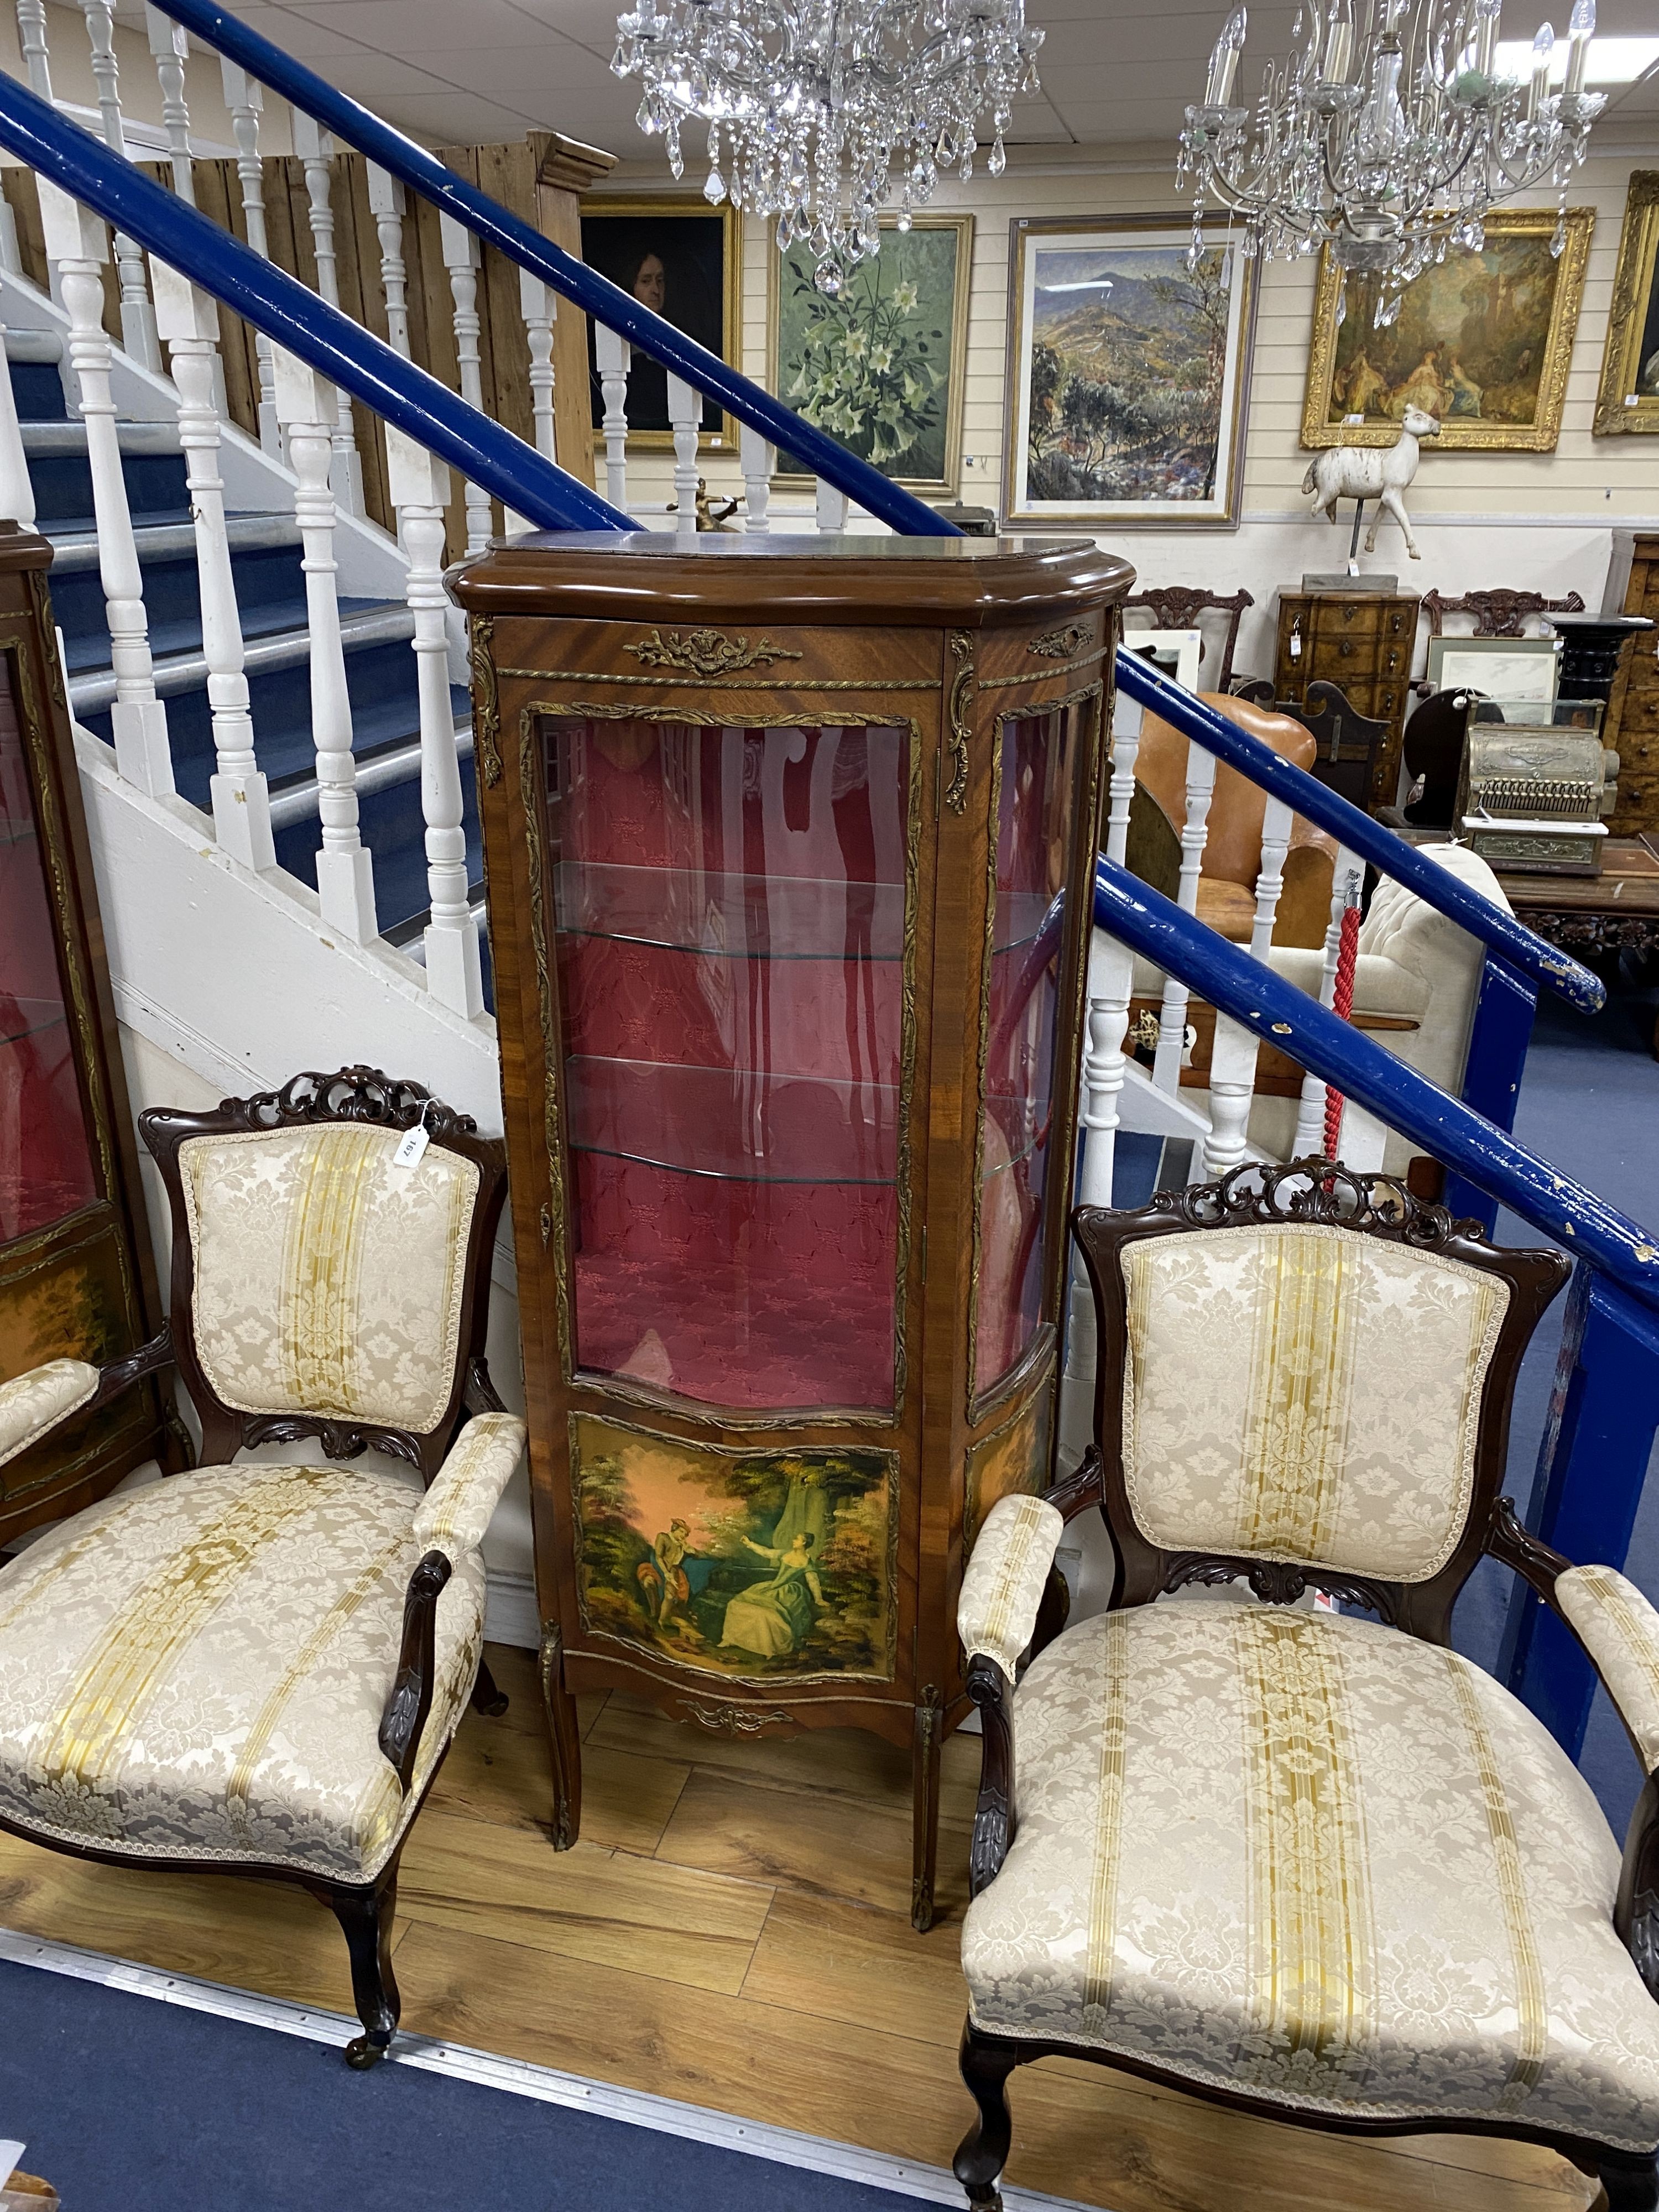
(1381, 1207)
(351, 1095)
(1177, 606)
(1498, 613)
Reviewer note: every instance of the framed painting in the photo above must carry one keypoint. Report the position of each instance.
(1128, 373)
(881, 367)
(1629, 398)
(682, 259)
(1482, 342)
(750, 1563)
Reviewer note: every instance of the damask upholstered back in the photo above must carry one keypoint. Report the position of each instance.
(320, 1285)
(1304, 1392)
(1305, 1370)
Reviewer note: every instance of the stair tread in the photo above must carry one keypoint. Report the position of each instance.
(75, 547)
(71, 437)
(362, 622)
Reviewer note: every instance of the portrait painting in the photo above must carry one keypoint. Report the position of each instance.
(1128, 373)
(881, 367)
(681, 258)
(1628, 400)
(1481, 342)
(1012, 1461)
(748, 1564)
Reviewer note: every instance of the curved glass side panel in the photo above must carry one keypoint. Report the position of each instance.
(729, 922)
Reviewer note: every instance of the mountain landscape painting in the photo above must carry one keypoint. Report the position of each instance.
(1129, 368)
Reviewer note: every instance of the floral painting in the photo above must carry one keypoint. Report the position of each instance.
(1129, 371)
(880, 367)
(1480, 341)
(754, 1564)
(1012, 1461)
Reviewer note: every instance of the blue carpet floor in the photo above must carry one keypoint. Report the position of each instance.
(126, 2104)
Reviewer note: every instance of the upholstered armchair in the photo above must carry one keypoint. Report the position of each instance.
(257, 1667)
(1312, 1865)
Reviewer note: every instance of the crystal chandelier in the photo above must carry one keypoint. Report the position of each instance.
(814, 105)
(1387, 131)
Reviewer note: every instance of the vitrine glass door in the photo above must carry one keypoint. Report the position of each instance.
(46, 1158)
(730, 909)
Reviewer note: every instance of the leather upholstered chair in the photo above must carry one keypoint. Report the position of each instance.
(257, 1667)
(1312, 1865)
(1232, 850)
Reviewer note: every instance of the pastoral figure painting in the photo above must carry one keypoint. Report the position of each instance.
(1481, 341)
(880, 365)
(1629, 397)
(1129, 373)
(750, 1563)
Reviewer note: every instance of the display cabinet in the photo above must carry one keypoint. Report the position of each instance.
(76, 1271)
(790, 845)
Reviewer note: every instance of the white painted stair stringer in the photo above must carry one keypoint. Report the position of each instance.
(235, 977)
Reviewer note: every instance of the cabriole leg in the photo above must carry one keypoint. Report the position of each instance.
(924, 1809)
(565, 1738)
(984, 2151)
(486, 1697)
(1632, 2183)
(365, 1916)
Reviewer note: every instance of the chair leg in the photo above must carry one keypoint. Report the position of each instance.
(365, 1916)
(984, 2151)
(486, 1697)
(1631, 2182)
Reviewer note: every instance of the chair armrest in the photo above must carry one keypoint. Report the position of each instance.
(409, 1699)
(1002, 1589)
(452, 1516)
(1619, 1629)
(32, 1405)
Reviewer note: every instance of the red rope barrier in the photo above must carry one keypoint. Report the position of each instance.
(1342, 1007)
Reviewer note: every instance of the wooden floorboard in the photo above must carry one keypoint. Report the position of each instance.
(733, 1930)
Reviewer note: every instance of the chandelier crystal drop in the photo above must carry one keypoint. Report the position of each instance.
(1386, 132)
(822, 112)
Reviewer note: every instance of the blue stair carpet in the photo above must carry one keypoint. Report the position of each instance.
(127, 2104)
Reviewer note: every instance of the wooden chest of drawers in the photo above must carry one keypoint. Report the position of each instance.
(1361, 641)
(1632, 723)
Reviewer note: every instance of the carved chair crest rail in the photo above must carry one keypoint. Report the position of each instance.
(331, 1245)
(1233, 1833)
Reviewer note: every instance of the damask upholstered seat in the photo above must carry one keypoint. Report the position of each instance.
(258, 1666)
(1307, 1863)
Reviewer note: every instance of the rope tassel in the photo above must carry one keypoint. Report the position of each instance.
(1342, 1007)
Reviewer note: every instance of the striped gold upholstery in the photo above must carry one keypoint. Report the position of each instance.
(198, 1668)
(997, 1611)
(1309, 1857)
(1620, 1630)
(32, 1405)
(328, 1280)
(1305, 1393)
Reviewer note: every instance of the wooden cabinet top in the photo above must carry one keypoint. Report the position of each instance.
(967, 583)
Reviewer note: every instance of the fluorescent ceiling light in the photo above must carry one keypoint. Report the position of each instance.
(1611, 61)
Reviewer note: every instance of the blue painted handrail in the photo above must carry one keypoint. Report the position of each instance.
(1328, 810)
(573, 280)
(282, 308)
(1293, 1023)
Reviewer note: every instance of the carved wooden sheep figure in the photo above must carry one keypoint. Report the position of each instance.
(1378, 472)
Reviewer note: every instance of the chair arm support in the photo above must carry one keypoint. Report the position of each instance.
(409, 1701)
(994, 1815)
(1003, 1588)
(455, 1512)
(32, 1405)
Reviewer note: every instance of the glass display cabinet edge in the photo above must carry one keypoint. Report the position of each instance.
(75, 1277)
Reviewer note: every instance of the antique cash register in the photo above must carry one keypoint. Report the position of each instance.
(1535, 785)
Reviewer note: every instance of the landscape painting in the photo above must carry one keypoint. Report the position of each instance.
(1481, 342)
(753, 1564)
(1129, 373)
(881, 367)
(1012, 1460)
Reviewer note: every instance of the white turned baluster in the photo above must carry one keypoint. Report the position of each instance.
(386, 203)
(189, 321)
(345, 882)
(32, 38)
(245, 98)
(539, 308)
(1310, 1109)
(1276, 822)
(1194, 834)
(419, 487)
(461, 257)
(1235, 1052)
(77, 245)
(684, 409)
(170, 51)
(831, 508)
(756, 456)
(315, 149)
(16, 492)
(137, 316)
(614, 356)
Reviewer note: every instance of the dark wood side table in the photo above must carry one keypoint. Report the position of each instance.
(1617, 911)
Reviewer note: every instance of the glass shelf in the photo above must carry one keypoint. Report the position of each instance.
(734, 1123)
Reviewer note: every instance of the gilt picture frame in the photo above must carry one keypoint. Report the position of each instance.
(1104, 321)
(1483, 341)
(909, 304)
(1628, 400)
(697, 285)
